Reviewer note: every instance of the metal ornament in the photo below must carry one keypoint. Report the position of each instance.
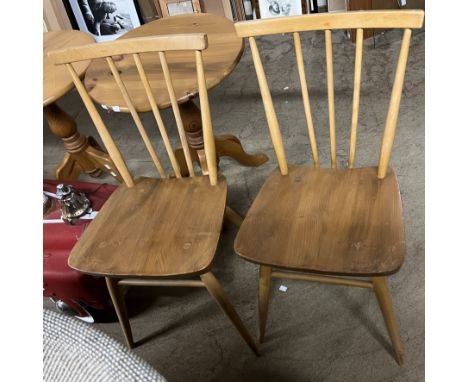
(73, 203)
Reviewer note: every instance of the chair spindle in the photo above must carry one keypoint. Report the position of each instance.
(357, 89)
(176, 110)
(109, 143)
(393, 107)
(269, 109)
(305, 97)
(157, 114)
(135, 116)
(208, 137)
(331, 96)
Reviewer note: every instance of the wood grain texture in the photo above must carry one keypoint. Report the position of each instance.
(220, 58)
(159, 227)
(336, 221)
(323, 21)
(56, 80)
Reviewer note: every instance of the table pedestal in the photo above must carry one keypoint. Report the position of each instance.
(81, 154)
(226, 144)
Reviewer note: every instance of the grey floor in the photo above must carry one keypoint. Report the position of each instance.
(315, 332)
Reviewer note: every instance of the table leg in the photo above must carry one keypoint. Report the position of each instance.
(226, 145)
(81, 154)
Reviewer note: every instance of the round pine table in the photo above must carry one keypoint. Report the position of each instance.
(82, 154)
(220, 58)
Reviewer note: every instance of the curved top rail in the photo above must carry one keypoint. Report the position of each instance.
(188, 41)
(407, 19)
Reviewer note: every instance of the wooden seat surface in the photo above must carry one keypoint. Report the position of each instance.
(159, 227)
(336, 221)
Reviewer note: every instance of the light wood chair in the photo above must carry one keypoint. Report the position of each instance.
(327, 224)
(154, 231)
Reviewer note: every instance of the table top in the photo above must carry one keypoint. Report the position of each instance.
(220, 58)
(56, 79)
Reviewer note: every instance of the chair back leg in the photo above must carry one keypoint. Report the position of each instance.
(217, 292)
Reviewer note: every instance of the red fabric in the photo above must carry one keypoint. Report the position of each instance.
(60, 281)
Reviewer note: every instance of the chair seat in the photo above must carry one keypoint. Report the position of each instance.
(336, 221)
(159, 227)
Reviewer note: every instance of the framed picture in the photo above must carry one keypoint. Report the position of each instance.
(104, 20)
(279, 8)
(179, 7)
(313, 7)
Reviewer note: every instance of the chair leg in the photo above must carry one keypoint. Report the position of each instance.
(217, 292)
(119, 306)
(383, 296)
(263, 298)
(233, 216)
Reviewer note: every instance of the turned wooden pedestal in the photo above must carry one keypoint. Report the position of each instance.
(226, 145)
(82, 154)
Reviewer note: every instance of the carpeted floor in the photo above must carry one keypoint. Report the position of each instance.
(315, 332)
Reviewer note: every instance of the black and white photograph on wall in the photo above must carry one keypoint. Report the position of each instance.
(104, 20)
(280, 8)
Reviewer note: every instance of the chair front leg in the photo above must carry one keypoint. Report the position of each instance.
(119, 306)
(383, 297)
(217, 292)
(264, 285)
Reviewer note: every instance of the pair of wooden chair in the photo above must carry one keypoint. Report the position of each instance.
(319, 224)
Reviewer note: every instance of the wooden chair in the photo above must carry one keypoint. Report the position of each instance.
(154, 231)
(329, 224)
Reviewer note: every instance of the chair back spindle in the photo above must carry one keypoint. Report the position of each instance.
(208, 136)
(158, 45)
(176, 111)
(269, 108)
(331, 96)
(157, 114)
(356, 94)
(305, 98)
(394, 106)
(135, 116)
(107, 139)
(402, 19)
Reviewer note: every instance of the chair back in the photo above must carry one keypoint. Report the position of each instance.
(360, 20)
(134, 47)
